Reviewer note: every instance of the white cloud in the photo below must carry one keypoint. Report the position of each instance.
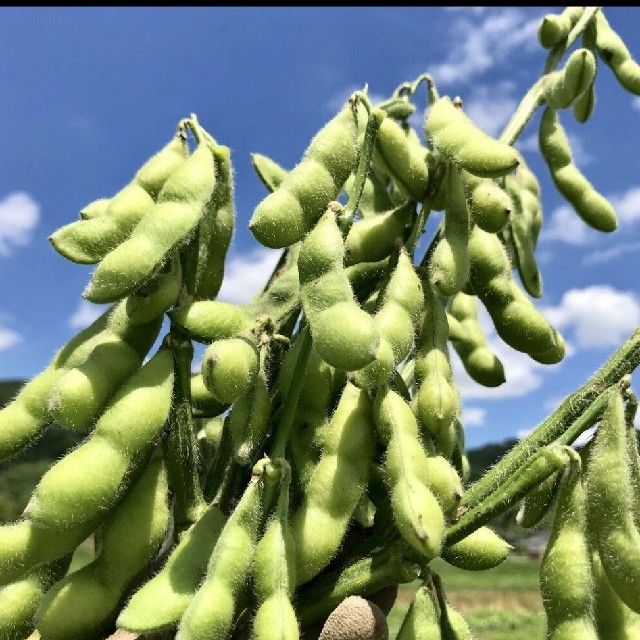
(529, 144)
(597, 316)
(565, 225)
(245, 276)
(19, 215)
(635, 102)
(84, 315)
(627, 205)
(606, 255)
(484, 39)
(583, 438)
(473, 416)
(490, 107)
(8, 338)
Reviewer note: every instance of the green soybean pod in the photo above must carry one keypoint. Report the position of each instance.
(176, 583)
(87, 601)
(95, 208)
(209, 320)
(19, 600)
(216, 229)
(81, 393)
(274, 576)
(211, 611)
(89, 241)
(230, 367)
(402, 304)
(583, 106)
(403, 160)
(562, 88)
(612, 617)
(285, 215)
(568, 602)
(336, 485)
(523, 241)
(593, 208)
(555, 28)
(452, 133)
(444, 482)
(271, 174)
(416, 510)
(615, 53)
(166, 226)
(375, 198)
(422, 620)
(372, 239)
(84, 484)
(449, 262)
(343, 334)
(470, 344)
(452, 624)
(489, 205)
(203, 404)
(609, 498)
(538, 502)
(481, 550)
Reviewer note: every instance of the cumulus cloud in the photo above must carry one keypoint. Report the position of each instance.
(483, 39)
(613, 253)
(596, 317)
(84, 315)
(635, 102)
(19, 215)
(528, 144)
(246, 275)
(627, 205)
(8, 338)
(473, 416)
(490, 107)
(565, 225)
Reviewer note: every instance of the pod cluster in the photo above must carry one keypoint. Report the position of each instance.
(317, 452)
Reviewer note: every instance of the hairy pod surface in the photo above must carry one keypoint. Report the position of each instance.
(479, 551)
(355, 619)
(209, 320)
(271, 174)
(488, 204)
(94, 209)
(538, 503)
(554, 28)
(177, 582)
(336, 485)
(452, 133)
(166, 226)
(285, 215)
(422, 620)
(375, 198)
(562, 88)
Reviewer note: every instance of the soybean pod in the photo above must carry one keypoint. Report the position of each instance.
(209, 320)
(94, 209)
(271, 174)
(538, 502)
(555, 28)
(285, 215)
(422, 620)
(481, 550)
(583, 106)
(564, 87)
(489, 206)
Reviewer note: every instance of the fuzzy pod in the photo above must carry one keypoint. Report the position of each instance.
(615, 53)
(87, 601)
(592, 207)
(416, 510)
(449, 262)
(216, 228)
(336, 485)
(211, 612)
(444, 482)
(489, 206)
(554, 28)
(402, 304)
(203, 404)
(209, 320)
(229, 368)
(166, 226)
(404, 161)
(285, 215)
(89, 241)
(483, 549)
(94, 209)
(355, 619)
(515, 318)
(609, 495)
(538, 502)
(453, 626)
(470, 344)
(375, 198)
(343, 334)
(176, 583)
(372, 239)
(436, 400)
(422, 620)
(562, 88)
(453, 134)
(271, 174)
(584, 105)
(20, 600)
(84, 484)
(522, 241)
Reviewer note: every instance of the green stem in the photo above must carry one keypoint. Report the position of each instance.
(385, 568)
(622, 362)
(180, 446)
(285, 424)
(376, 116)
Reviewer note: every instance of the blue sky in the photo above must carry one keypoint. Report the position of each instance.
(87, 94)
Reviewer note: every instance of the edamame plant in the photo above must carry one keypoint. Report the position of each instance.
(316, 458)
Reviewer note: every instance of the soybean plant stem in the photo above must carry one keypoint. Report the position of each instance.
(622, 362)
(376, 116)
(291, 400)
(180, 446)
(535, 96)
